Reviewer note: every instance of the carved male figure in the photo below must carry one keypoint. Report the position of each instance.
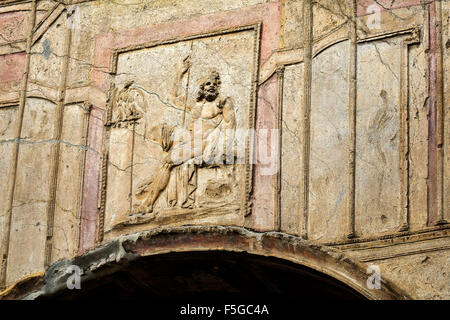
(212, 122)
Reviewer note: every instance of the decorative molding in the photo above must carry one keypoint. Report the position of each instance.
(428, 233)
(104, 171)
(412, 38)
(42, 98)
(279, 126)
(440, 119)
(247, 206)
(13, 2)
(15, 5)
(37, 89)
(401, 252)
(102, 193)
(352, 104)
(9, 104)
(390, 34)
(46, 16)
(291, 56)
(331, 38)
(13, 47)
(445, 117)
(279, 58)
(87, 107)
(306, 121)
(399, 246)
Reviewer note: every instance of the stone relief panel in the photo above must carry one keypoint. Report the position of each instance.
(377, 137)
(177, 132)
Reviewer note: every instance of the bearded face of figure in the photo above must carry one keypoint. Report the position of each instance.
(211, 89)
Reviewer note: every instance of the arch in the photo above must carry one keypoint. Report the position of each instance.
(115, 256)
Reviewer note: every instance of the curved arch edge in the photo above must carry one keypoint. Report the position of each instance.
(112, 256)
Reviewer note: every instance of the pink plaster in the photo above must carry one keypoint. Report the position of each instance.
(384, 5)
(263, 186)
(12, 67)
(269, 14)
(92, 169)
(11, 26)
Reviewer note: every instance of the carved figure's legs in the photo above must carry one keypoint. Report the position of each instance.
(151, 191)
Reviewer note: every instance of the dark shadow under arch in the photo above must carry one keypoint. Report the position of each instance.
(211, 276)
(205, 262)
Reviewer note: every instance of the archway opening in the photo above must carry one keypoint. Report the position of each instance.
(210, 276)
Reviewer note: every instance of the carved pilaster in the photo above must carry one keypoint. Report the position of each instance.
(352, 103)
(306, 110)
(277, 176)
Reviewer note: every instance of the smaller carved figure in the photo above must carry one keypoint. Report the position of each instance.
(127, 106)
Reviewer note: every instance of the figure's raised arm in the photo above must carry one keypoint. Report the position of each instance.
(229, 118)
(229, 115)
(178, 93)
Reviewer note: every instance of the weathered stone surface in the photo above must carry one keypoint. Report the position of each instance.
(266, 158)
(377, 137)
(107, 84)
(328, 15)
(70, 178)
(116, 255)
(11, 71)
(291, 149)
(418, 135)
(13, 26)
(367, 7)
(31, 191)
(329, 144)
(49, 52)
(8, 116)
(376, 21)
(119, 178)
(91, 177)
(292, 26)
(424, 276)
